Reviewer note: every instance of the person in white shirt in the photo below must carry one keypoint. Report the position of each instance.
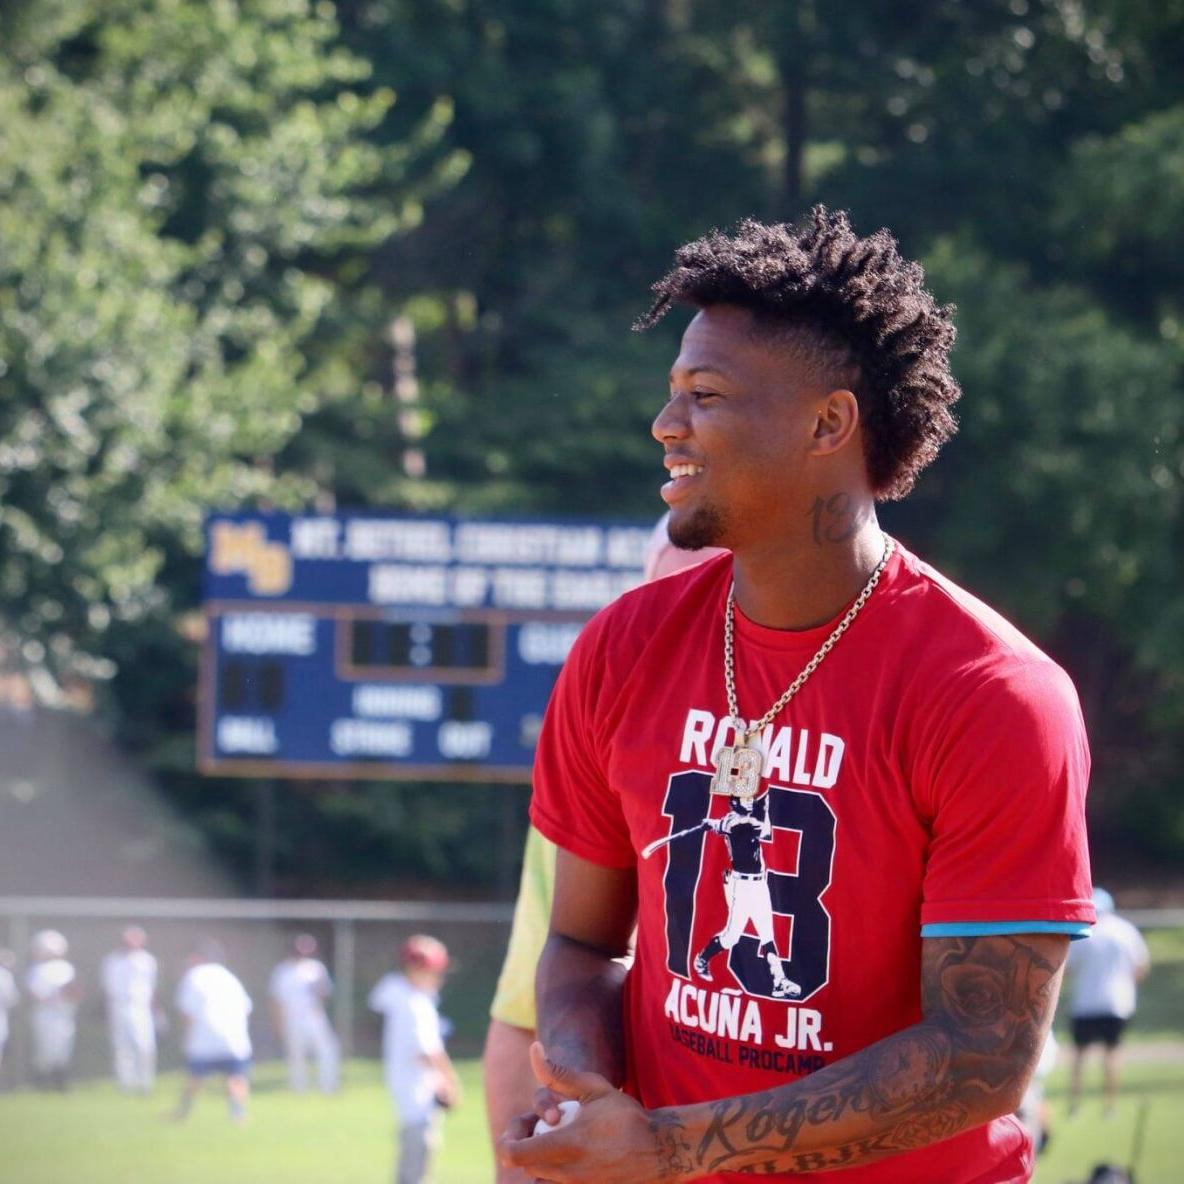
(215, 1009)
(1104, 968)
(1034, 1111)
(53, 990)
(9, 997)
(419, 1073)
(299, 987)
(129, 983)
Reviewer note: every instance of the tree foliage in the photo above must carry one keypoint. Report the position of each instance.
(210, 214)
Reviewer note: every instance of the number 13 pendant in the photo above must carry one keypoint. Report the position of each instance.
(737, 771)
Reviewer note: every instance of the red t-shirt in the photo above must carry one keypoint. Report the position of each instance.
(928, 780)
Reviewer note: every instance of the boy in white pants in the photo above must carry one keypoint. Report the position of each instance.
(299, 987)
(129, 983)
(419, 1073)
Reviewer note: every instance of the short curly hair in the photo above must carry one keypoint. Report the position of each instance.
(857, 305)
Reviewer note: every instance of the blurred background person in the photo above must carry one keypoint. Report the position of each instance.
(509, 1080)
(9, 996)
(299, 987)
(1034, 1111)
(419, 1072)
(1104, 970)
(53, 990)
(215, 1009)
(128, 978)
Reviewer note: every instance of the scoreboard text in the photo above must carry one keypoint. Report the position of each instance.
(368, 646)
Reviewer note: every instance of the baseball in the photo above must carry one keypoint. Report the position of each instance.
(567, 1112)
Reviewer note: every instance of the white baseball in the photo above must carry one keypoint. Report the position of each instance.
(567, 1113)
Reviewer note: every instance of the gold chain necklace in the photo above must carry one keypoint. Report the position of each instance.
(738, 766)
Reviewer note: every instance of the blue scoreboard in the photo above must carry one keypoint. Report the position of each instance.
(377, 646)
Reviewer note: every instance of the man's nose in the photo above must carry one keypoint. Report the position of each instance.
(671, 423)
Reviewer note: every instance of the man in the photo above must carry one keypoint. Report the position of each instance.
(509, 1080)
(924, 767)
(215, 1010)
(54, 992)
(129, 984)
(299, 987)
(419, 1073)
(1105, 972)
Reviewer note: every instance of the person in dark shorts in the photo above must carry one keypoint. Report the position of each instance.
(1097, 1029)
(1105, 970)
(215, 1008)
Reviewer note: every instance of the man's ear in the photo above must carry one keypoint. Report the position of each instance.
(836, 423)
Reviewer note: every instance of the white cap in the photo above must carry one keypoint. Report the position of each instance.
(49, 943)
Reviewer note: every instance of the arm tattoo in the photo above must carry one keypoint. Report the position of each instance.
(581, 1022)
(987, 1002)
(670, 1139)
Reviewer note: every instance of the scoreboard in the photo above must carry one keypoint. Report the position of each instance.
(380, 646)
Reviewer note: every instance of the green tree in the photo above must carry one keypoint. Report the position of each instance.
(182, 188)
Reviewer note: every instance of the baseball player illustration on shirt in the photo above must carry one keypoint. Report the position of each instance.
(744, 828)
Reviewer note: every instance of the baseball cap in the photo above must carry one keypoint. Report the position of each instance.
(49, 943)
(420, 950)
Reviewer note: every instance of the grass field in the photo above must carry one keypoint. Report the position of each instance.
(1089, 1138)
(94, 1135)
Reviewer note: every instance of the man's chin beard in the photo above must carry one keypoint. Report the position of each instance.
(703, 527)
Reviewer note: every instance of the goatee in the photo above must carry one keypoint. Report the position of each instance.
(703, 527)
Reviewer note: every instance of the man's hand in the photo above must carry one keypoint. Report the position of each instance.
(612, 1140)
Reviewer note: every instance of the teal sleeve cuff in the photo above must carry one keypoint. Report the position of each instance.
(1075, 929)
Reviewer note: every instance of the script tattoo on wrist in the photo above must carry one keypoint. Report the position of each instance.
(835, 518)
(987, 1003)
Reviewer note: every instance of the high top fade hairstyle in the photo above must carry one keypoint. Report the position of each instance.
(854, 309)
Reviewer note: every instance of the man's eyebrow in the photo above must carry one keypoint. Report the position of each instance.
(691, 371)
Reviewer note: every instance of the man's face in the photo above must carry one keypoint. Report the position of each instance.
(741, 414)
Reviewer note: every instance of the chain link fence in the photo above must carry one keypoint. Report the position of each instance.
(358, 942)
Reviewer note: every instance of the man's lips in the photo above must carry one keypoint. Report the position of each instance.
(683, 474)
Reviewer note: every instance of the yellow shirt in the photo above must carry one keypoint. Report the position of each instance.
(513, 1002)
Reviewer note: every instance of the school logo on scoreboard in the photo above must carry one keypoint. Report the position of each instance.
(244, 549)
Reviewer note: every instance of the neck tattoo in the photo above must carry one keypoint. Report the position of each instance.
(738, 766)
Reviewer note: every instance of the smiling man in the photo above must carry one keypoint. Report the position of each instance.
(901, 773)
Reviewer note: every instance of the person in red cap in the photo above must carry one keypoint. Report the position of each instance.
(418, 1070)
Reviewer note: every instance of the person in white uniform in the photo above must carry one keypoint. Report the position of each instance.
(128, 976)
(215, 1010)
(419, 1074)
(53, 990)
(1105, 969)
(299, 987)
(9, 997)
